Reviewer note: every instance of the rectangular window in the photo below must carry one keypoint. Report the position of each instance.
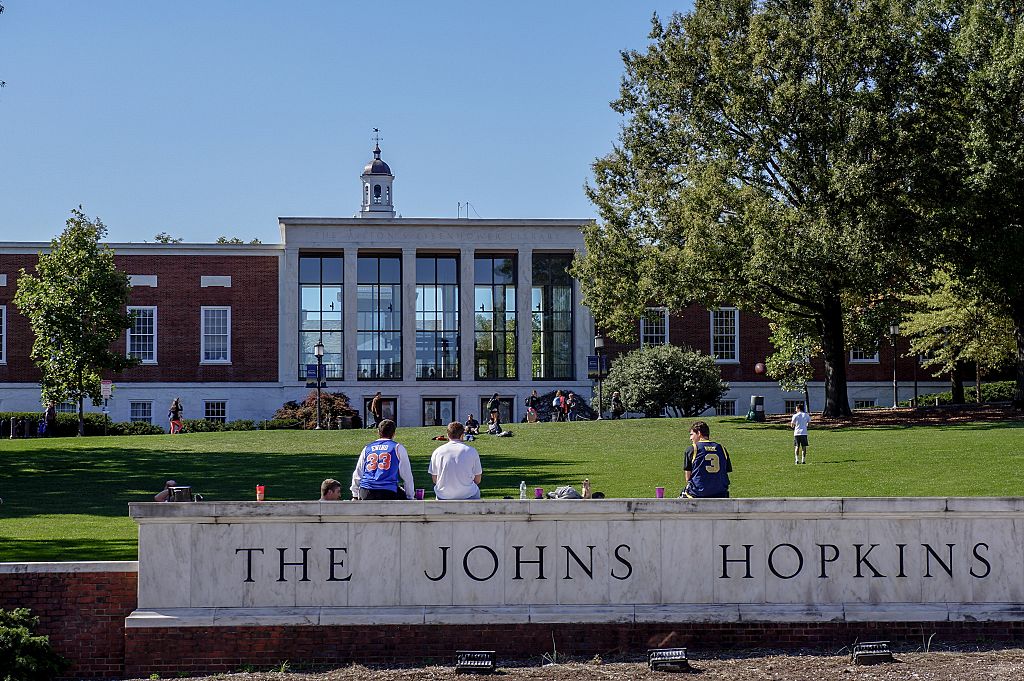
(438, 411)
(551, 310)
(216, 335)
(141, 341)
(494, 312)
(3, 334)
(726, 408)
(863, 404)
(437, 318)
(654, 327)
(141, 411)
(725, 335)
(67, 407)
(215, 410)
(791, 405)
(861, 356)
(321, 312)
(505, 411)
(379, 334)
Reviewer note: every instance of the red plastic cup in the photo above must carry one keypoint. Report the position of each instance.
(659, 492)
(259, 492)
(538, 492)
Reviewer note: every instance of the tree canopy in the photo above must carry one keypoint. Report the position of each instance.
(75, 304)
(765, 161)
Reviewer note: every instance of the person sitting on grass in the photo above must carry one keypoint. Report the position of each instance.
(472, 426)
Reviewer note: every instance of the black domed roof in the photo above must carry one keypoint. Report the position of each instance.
(376, 166)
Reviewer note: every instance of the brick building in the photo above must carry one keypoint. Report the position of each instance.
(436, 313)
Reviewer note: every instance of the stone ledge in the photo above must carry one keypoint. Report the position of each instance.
(575, 614)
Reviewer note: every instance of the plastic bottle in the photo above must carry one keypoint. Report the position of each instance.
(522, 490)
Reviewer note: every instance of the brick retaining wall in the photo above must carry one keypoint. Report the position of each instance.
(81, 607)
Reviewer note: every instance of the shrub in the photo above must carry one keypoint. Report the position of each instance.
(134, 428)
(332, 405)
(997, 391)
(660, 377)
(24, 657)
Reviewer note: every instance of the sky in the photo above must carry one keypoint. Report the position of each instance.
(207, 118)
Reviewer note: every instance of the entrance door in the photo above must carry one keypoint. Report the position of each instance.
(389, 409)
(438, 411)
(504, 410)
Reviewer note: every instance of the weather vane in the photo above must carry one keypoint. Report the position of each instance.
(376, 136)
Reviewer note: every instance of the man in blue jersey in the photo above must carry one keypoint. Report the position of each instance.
(706, 465)
(380, 465)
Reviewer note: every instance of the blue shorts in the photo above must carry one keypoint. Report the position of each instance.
(799, 440)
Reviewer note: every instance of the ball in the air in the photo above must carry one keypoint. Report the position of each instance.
(759, 368)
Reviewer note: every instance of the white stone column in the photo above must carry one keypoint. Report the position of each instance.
(409, 325)
(351, 318)
(467, 318)
(524, 318)
(287, 316)
(583, 333)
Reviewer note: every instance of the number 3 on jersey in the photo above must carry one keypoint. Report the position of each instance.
(380, 461)
(712, 463)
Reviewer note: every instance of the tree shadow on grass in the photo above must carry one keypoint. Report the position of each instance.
(60, 550)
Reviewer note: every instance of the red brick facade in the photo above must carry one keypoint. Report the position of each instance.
(179, 296)
(83, 613)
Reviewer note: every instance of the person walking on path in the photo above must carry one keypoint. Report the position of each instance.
(377, 409)
(617, 407)
(799, 422)
(50, 418)
(174, 413)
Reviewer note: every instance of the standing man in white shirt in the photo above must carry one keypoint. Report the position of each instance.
(799, 422)
(455, 467)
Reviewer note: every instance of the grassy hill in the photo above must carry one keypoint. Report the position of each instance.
(66, 498)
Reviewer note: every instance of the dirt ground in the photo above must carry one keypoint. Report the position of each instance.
(957, 664)
(907, 416)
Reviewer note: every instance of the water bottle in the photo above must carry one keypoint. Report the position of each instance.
(522, 490)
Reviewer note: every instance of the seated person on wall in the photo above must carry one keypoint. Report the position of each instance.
(706, 465)
(330, 490)
(165, 493)
(380, 465)
(455, 467)
(472, 426)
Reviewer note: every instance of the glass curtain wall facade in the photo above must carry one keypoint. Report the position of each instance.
(321, 312)
(379, 336)
(494, 325)
(552, 311)
(437, 317)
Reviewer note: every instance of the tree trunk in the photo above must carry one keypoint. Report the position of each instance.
(807, 399)
(977, 382)
(81, 416)
(956, 385)
(1017, 315)
(833, 345)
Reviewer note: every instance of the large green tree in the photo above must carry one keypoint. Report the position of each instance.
(659, 377)
(75, 303)
(766, 160)
(981, 86)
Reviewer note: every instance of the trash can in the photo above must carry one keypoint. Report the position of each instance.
(756, 412)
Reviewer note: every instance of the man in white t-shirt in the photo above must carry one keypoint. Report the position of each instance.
(455, 467)
(799, 422)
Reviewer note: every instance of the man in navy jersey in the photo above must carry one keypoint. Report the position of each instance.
(380, 465)
(706, 465)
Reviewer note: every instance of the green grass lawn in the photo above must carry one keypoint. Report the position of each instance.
(66, 499)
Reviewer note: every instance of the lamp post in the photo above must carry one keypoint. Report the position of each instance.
(894, 330)
(599, 351)
(318, 350)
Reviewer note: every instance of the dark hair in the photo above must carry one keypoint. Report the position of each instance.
(700, 427)
(799, 406)
(386, 428)
(456, 430)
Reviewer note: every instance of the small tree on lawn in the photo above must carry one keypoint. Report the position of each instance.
(661, 377)
(75, 303)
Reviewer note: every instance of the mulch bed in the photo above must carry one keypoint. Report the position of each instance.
(910, 416)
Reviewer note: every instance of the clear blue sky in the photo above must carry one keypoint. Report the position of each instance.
(213, 117)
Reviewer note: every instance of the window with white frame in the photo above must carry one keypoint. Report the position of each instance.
(216, 335)
(141, 341)
(863, 404)
(726, 408)
(791, 405)
(3, 334)
(654, 327)
(862, 356)
(725, 335)
(215, 410)
(141, 412)
(66, 407)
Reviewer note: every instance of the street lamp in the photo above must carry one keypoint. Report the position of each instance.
(894, 330)
(599, 351)
(318, 350)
